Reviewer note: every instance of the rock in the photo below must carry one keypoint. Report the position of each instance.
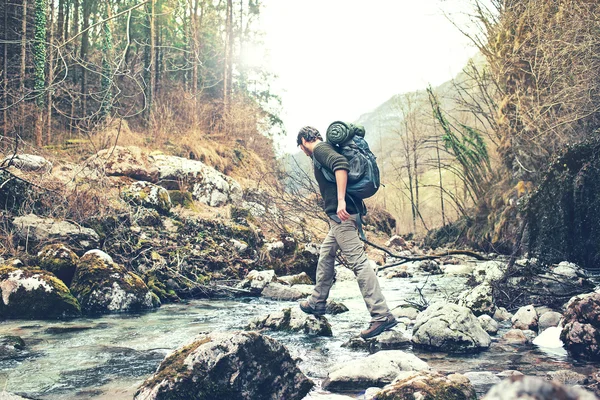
(405, 311)
(581, 332)
(379, 369)
(457, 270)
(510, 372)
(530, 387)
(147, 217)
(380, 220)
(334, 308)
(298, 279)
(515, 336)
(396, 241)
(343, 274)
(128, 161)
(43, 230)
(241, 247)
(502, 315)
(102, 286)
(430, 267)
(61, 330)
(277, 291)
(275, 249)
(400, 271)
(60, 260)
(30, 293)
(525, 318)
(371, 393)
(388, 340)
(479, 299)
(489, 271)
(376, 255)
(549, 319)
(482, 380)
(206, 184)
(567, 377)
(11, 347)
(149, 195)
(228, 365)
(256, 281)
(488, 324)
(28, 162)
(428, 385)
(292, 319)
(450, 328)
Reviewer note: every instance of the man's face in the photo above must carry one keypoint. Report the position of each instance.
(305, 149)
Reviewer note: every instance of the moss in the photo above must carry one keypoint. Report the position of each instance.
(181, 198)
(59, 260)
(38, 303)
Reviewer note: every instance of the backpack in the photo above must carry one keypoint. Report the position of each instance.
(348, 140)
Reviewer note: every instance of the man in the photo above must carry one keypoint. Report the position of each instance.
(343, 210)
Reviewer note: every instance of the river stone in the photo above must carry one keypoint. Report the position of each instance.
(102, 286)
(567, 377)
(450, 328)
(30, 293)
(457, 270)
(509, 372)
(569, 270)
(501, 314)
(396, 241)
(292, 319)
(581, 332)
(376, 255)
(206, 184)
(334, 308)
(388, 340)
(256, 281)
(378, 369)
(43, 230)
(525, 318)
(128, 161)
(60, 260)
(277, 291)
(515, 336)
(405, 311)
(149, 195)
(489, 271)
(298, 279)
(430, 267)
(549, 319)
(479, 299)
(488, 324)
(482, 380)
(28, 162)
(428, 385)
(228, 365)
(531, 387)
(343, 274)
(401, 271)
(11, 347)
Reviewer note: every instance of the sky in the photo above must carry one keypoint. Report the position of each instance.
(338, 59)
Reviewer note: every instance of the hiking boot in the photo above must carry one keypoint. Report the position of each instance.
(308, 309)
(377, 327)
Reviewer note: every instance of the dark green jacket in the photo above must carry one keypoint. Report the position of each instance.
(326, 155)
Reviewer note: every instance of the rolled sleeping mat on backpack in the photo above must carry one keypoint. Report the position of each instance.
(359, 130)
(339, 132)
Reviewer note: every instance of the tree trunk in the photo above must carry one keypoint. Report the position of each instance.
(5, 74)
(75, 32)
(415, 169)
(149, 57)
(439, 162)
(107, 71)
(39, 57)
(23, 46)
(85, 45)
(50, 73)
(228, 56)
(60, 22)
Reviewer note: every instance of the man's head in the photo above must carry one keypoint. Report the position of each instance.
(308, 137)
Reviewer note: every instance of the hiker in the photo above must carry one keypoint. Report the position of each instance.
(344, 213)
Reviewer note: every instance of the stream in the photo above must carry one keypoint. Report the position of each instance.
(110, 356)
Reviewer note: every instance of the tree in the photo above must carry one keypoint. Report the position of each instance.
(39, 61)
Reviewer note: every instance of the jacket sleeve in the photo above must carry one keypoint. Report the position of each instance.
(326, 155)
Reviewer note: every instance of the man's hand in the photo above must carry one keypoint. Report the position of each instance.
(341, 210)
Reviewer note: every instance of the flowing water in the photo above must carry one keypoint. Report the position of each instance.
(110, 356)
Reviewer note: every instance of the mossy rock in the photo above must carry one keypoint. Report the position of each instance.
(160, 288)
(102, 286)
(32, 293)
(181, 198)
(148, 195)
(430, 385)
(60, 260)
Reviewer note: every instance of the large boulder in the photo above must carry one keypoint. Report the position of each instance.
(480, 299)
(489, 271)
(428, 385)
(28, 162)
(148, 195)
(206, 184)
(228, 365)
(256, 281)
(278, 291)
(450, 328)
(388, 340)
(12, 347)
(581, 332)
(530, 387)
(292, 319)
(549, 319)
(31, 293)
(102, 286)
(379, 369)
(43, 230)
(525, 318)
(128, 161)
(60, 260)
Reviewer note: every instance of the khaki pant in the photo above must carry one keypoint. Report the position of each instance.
(344, 236)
